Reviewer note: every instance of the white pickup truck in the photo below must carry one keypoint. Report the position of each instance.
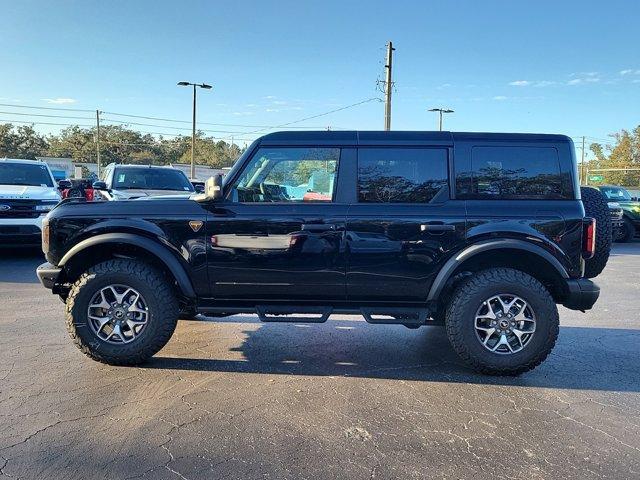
(28, 192)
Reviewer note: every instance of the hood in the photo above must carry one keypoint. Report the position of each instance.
(28, 192)
(133, 193)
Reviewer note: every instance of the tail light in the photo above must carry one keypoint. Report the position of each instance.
(588, 238)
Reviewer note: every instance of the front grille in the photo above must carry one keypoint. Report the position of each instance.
(18, 208)
(615, 213)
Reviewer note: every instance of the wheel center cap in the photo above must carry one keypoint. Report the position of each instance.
(504, 324)
(118, 313)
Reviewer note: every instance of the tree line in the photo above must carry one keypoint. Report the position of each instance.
(623, 152)
(117, 144)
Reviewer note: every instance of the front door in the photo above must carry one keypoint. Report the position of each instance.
(402, 226)
(279, 234)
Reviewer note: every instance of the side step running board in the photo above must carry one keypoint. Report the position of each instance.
(276, 313)
(390, 315)
(410, 317)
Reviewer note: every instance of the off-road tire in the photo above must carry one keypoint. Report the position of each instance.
(158, 294)
(468, 297)
(628, 231)
(596, 206)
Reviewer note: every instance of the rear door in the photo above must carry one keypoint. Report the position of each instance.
(279, 235)
(403, 224)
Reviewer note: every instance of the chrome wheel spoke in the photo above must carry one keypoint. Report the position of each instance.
(102, 321)
(117, 314)
(505, 324)
(103, 302)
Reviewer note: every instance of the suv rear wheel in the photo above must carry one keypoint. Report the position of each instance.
(121, 312)
(502, 322)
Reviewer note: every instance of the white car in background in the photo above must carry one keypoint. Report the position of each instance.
(28, 192)
(127, 182)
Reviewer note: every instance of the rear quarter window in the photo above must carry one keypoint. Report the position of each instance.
(512, 172)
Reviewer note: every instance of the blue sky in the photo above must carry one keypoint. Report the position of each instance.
(533, 66)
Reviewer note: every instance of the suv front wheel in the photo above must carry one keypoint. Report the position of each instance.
(121, 312)
(502, 322)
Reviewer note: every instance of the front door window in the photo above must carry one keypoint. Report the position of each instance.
(288, 175)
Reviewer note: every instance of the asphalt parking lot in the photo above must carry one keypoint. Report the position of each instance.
(234, 398)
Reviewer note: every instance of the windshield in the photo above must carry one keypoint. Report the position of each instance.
(35, 174)
(145, 178)
(615, 193)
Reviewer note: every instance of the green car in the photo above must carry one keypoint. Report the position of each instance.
(630, 206)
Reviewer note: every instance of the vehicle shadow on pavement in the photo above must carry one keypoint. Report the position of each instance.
(584, 358)
(18, 265)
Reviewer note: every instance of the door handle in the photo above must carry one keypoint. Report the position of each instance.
(318, 227)
(437, 227)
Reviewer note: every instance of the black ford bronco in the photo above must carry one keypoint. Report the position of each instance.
(481, 233)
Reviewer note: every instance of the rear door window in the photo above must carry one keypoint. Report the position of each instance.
(402, 175)
(514, 173)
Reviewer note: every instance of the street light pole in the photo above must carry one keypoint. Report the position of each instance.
(440, 111)
(193, 137)
(193, 127)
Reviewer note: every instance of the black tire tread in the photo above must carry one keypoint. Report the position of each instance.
(596, 206)
(166, 318)
(460, 299)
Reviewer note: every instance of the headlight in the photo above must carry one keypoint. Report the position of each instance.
(45, 237)
(636, 208)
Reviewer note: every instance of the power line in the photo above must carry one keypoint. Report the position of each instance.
(266, 127)
(44, 115)
(318, 115)
(144, 117)
(46, 108)
(46, 123)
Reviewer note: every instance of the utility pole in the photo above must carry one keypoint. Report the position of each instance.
(98, 139)
(582, 161)
(388, 85)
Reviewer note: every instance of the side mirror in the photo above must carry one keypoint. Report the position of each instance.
(99, 185)
(635, 199)
(212, 189)
(199, 188)
(64, 184)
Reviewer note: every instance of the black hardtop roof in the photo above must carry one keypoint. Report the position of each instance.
(373, 137)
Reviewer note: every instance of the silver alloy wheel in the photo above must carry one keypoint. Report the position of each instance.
(117, 314)
(505, 324)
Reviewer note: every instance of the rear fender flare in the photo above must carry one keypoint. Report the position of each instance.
(454, 262)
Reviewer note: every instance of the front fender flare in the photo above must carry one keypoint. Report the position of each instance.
(161, 252)
(506, 243)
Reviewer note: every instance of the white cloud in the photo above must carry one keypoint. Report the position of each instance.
(499, 98)
(59, 101)
(575, 81)
(545, 83)
(520, 83)
(630, 71)
(270, 97)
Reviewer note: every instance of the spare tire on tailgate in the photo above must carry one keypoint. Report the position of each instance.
(596, 206)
